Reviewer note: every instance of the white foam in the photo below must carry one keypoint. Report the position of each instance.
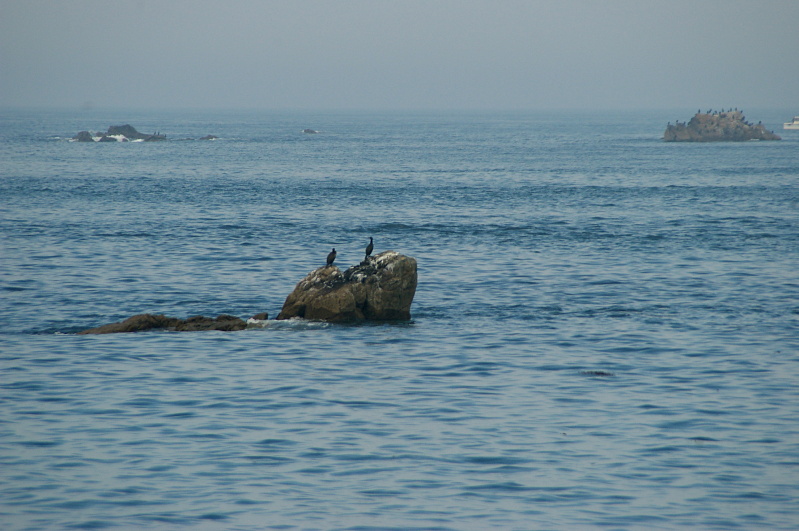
(286, 324)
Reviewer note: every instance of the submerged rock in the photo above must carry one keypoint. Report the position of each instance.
(148, 321)
(381, 288)
(729, 126)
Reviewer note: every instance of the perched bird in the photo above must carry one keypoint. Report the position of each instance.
(331, 256)
(370, 247)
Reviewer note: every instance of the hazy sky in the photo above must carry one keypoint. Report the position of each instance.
(400, 54)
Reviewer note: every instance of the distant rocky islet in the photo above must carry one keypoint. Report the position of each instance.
(710, 126)
(125, 133)
(717, 126)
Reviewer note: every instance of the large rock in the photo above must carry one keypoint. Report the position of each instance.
(147, 321)
(729, 126)
(381, 288)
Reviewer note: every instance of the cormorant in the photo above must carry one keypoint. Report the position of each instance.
(370, 247)
(331, 256)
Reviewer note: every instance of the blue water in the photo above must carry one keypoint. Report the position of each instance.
(605, 331)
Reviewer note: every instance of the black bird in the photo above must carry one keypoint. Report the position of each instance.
(331, 256)
(370, 247)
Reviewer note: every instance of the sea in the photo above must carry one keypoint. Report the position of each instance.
(605, 332)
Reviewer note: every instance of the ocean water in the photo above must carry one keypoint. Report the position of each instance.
(604, 336)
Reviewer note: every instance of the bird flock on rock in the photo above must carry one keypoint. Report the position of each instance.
(331, 257)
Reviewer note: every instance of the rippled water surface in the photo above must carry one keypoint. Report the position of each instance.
(604, 333)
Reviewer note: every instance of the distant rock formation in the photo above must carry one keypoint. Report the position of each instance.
(118, 133)
(125, 133)
(381, 288)
(148, 321)
(724, 126)
(129, 132)
(83, 136)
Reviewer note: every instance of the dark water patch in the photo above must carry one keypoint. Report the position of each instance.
(14, 289)
(360, 404)
(276, 443)
(494, 460)
(678, 424)
(636, 520)
(715, 412)
(268, 460)
(703, 439)
(658, 450)
(597, 373)
(369, 471)
(512, 486)
(381, 493)
(40, 444)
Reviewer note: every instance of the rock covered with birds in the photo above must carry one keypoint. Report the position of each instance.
(717, 126)
(380, 288)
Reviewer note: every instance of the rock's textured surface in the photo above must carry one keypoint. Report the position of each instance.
(726, 126)
(147, 321)
(381, 288)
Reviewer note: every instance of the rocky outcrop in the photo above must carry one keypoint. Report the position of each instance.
(126, 133)
(129, 132)
(725, 126)
(83, 136)
(148, 321)
(381, 288)
(118, 133)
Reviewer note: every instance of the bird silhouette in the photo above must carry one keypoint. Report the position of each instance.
(331, 256)
(370, 247)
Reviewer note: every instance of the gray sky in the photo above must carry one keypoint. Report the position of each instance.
(400, 54)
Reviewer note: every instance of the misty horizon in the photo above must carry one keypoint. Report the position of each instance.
(409, 56)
